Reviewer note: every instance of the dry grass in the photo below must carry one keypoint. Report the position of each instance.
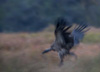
(22, 53)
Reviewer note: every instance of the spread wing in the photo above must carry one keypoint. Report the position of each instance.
(78, 33)
(64, 37)
(61, 31)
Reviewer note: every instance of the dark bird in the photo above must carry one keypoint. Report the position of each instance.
(65, 40)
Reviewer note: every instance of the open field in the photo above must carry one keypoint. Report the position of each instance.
(21, 52)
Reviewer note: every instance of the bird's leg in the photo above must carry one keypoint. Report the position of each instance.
(72, 54)
(46, 51)
(61, 59)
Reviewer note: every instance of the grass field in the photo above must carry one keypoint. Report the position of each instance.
(21, 52)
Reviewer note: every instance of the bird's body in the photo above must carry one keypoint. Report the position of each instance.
(65, 40)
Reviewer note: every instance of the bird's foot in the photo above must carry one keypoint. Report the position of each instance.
(74, 55)
(60, 64)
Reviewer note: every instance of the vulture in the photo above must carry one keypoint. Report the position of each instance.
(66, 39)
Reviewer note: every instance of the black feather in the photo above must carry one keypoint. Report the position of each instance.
(64, 40)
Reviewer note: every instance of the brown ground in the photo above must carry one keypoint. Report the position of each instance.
(22, 53)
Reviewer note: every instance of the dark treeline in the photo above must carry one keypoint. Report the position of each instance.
(34, 15)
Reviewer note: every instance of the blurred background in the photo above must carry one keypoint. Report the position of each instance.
(34, 15)
(26, 29)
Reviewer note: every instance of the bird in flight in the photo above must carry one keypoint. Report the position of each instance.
(65, 40)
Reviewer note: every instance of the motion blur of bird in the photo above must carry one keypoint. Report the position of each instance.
(65, 40)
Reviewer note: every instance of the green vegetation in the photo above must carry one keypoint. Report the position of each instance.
(90, 65)
(34, 15)
(92, 38)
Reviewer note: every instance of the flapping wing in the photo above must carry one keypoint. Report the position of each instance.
(60, 31)
(78, 33)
